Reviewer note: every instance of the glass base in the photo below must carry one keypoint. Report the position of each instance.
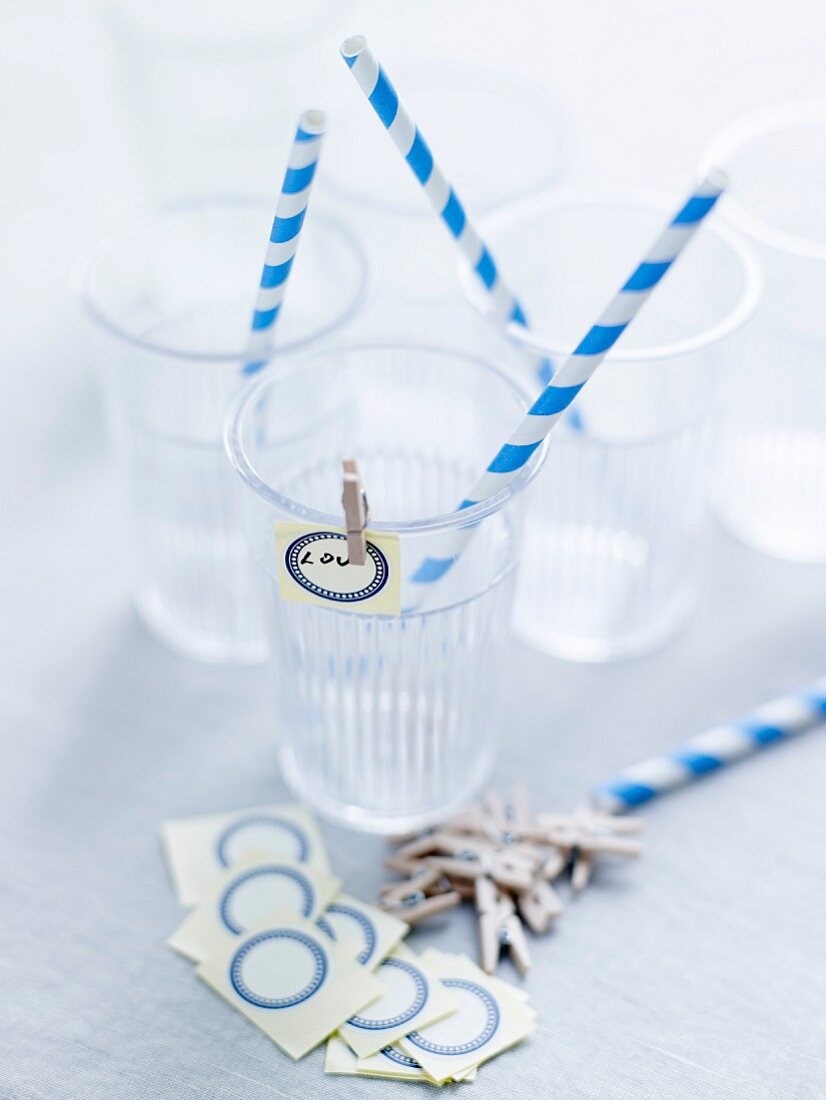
(407, 820)
(211, 648)
(783, 545)
(589, 592)
(530, 629)
(773, 496)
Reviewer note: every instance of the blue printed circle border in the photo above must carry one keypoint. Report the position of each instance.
(397, 1056)
(487, 1032)
(303, 883)
(376, 556)
(326, 928)
(418, 1003)
(290, 827)
(363, 921)
(312, 986)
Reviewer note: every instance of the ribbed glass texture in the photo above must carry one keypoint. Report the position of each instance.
(172, 301)
(616, 535)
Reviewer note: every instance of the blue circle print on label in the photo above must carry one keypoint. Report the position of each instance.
(490, 1026)
(318, 960)
(318, 563)
(366, 927)
(264, 821)
(413, 1009)
(271, 870)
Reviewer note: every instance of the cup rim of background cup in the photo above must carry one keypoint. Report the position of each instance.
(740, 132)
(640, 198)
(248, 398)
(461, 74)
(131, 225)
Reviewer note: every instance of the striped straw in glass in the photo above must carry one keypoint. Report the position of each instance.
(563, 388)
(284, 236)
(708, 752)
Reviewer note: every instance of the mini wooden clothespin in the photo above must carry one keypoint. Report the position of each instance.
(415, 905)
(554, 865)
(591, 821)
(425, 879)
(539, 905)
(581, 869)
(472, 861)
(499, 927)
(426, 893)
(356, 511)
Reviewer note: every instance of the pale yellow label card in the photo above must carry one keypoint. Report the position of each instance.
(291, 981)
(200, 849)
(364, 931)
(489, 1019)
(248, 894)
(389, 1063)
(412, 997)
(313, 567)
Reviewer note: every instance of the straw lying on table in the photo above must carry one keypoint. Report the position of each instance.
(284, 236)
(408, 139)
(563, 388)
(714, 749)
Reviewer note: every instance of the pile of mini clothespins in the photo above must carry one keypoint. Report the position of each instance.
(505, 859)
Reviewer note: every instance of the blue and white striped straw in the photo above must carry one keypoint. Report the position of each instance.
(383, 98)
(708, 752)
(284, 236)
(552, 403)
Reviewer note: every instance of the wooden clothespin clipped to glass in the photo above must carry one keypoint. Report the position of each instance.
(356, 511)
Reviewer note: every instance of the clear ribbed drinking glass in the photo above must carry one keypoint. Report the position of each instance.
(770, 482)
(171, 301)
(615, 535)
(387, 722)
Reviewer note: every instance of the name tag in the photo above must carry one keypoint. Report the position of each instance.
(313, 567)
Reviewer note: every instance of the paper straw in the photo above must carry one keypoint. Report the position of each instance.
(708, 752)
(284, 236)
(408, 139)
(552, 403)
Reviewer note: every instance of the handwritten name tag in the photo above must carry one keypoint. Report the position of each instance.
(313, 567)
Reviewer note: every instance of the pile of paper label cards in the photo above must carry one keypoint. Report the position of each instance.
(271, 932)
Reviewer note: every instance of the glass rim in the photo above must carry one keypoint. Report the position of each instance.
(89, 266)
(244, 467)
(179, 35)
(741, 131)
(541, 100)
(638, 198)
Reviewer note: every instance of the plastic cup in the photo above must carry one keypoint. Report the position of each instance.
(211, 90)
(770, 485)
(496, 138)
(171, 301)
(616, 531)
(386, 722)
